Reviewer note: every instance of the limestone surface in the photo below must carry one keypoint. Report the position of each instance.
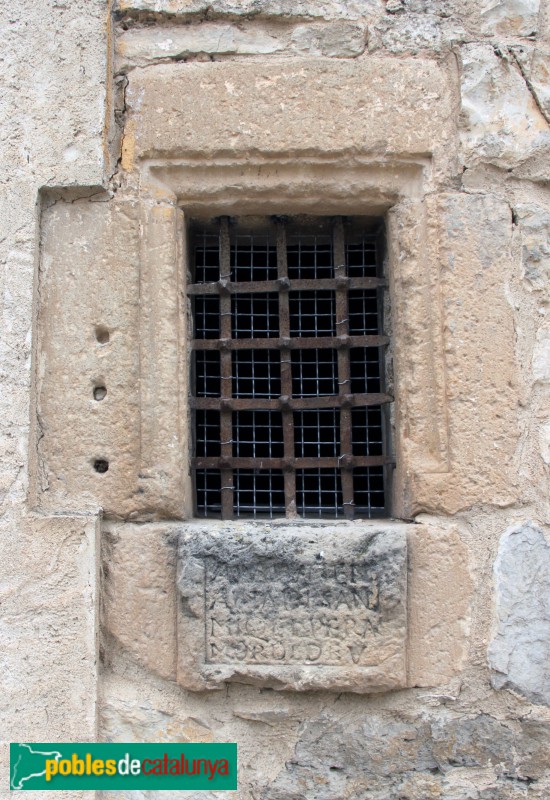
(107, 402)
(447, 255)
(414, 757)
(78, 430)
(141, 597)
(54, 125)
(327, 9)
(534, 224)
(142, 46)
(430, 113)
(502, 123)
(139, 607)
(541, 355)
(533, 60)
(253, 107)
(519, 654)
(516, 17)
(544, 441)
(441, 590)
(415, 33)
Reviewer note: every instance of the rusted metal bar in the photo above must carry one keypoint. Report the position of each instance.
(386, 422)
(288, 464)
(292, 403)
(226, 416)
(224, 285)
(286, 372)
(342, 329)
(305, 343)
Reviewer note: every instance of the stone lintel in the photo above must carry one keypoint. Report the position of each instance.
(293, 107)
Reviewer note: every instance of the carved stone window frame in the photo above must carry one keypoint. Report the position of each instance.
(390, 189)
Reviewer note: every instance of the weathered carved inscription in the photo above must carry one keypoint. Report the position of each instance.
(293, 607)
(314, 614)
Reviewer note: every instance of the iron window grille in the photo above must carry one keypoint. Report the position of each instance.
(288, 386)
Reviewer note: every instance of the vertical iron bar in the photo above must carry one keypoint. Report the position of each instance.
(380, 246)
(226, 416)
(286, 372)
(342, 329)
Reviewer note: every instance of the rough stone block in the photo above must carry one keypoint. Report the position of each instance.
(311, 608)
(49, 629)
(382, 755)
(324, 9)
(140, 46)
(474, 260)
(534, 225)
(338, 40)
(519, 654)
(455, 444)
(440, 602)
(502, 123)
(412, 33)
(139, 569)
(111, 319)
(510, 17)
(289, 107)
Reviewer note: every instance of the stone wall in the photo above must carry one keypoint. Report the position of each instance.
(54, 106)
(120, 123)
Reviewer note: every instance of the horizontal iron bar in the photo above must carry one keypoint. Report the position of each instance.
(292, 403)
(285, 285)
(290, 463)
(296, 343)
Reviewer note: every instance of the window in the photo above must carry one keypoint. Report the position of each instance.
(288, 387)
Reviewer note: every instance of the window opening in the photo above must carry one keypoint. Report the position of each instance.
(288, 390)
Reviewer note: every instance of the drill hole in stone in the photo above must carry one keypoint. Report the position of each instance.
(100, 392)
(101, 465)
(102, 334)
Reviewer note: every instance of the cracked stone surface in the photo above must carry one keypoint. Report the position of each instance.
(534, 61)
(414, 757)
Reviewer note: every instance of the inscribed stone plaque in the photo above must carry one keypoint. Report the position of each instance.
(293, 607)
